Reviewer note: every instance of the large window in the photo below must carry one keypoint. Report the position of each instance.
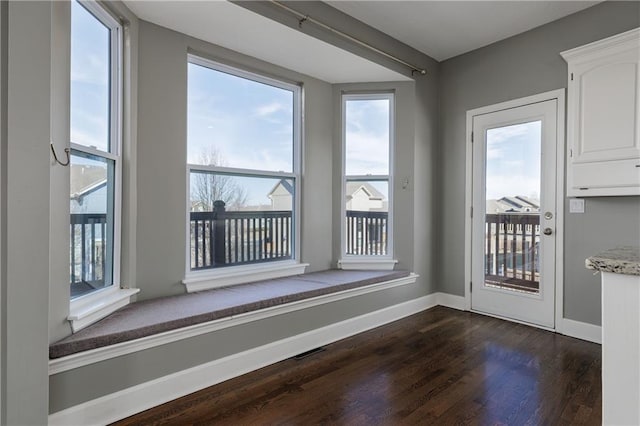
(95, 148)
(243, 167)
(367, 171)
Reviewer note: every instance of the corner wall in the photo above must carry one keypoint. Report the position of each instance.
(523, 65)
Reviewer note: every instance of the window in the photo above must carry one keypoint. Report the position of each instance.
(95, 149)
(367, 172)
(243, 166)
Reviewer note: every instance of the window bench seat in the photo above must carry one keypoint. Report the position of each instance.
(151, 317)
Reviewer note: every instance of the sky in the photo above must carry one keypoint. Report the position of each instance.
(250, 125)
(247, 124)
(89, 80)
(514, 160)
(367, 137)
(89, 108)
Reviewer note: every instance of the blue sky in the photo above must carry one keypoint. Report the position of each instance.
(89, 79)
(513, 160)
(367, 137)
(248, 124)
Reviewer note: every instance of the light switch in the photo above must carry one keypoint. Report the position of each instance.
(576, 205)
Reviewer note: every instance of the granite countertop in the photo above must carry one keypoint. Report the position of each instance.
(620, 260)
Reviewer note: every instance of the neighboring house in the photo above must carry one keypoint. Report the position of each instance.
(361, 196)
(88, 192)
(281, 195)
(91, 199)
(515, 204)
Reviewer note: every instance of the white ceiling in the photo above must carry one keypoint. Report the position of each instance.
(239, 29)
(440, 29)
(443, 29)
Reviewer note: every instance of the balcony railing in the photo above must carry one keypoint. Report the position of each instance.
(512, 251)
(224, 238)
(88, 252)
(366, 232)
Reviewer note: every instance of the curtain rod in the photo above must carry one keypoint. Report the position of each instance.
(305, 18)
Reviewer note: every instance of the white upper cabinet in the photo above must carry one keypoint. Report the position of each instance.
(603, 119)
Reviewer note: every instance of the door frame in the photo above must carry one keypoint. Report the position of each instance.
(559, 95)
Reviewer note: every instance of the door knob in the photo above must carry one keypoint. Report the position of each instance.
(547, 231)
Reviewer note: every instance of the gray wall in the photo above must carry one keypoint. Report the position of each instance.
(3, 204)
(27, 161)
(524, 65)
(161, 200)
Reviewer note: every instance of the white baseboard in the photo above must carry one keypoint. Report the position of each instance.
(451, 301)
(582, 330)
(127, 402)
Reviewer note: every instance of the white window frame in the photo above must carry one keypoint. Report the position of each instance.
(350, 261)
(87, 309)
(231, 275)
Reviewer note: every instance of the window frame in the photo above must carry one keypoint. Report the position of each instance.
(351, 261)
(90, 307)
(196, 280)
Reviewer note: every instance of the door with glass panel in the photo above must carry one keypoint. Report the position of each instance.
(514, 209)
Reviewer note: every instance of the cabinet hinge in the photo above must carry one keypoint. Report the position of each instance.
(471, 137)
(470, 286)
(571, 153)
(471, 211)
(571, 76)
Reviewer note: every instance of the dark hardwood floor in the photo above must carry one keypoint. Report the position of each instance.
(438, 367)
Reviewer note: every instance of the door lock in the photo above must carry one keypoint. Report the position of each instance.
(547, 231)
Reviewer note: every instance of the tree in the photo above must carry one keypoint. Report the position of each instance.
(207, 187)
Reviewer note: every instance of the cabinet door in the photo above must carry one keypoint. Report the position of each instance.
(605, 109)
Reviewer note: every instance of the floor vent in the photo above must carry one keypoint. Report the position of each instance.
(309, 353)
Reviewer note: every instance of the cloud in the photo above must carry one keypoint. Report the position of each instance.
(269, 109)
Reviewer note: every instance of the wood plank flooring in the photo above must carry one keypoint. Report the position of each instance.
(438, 367)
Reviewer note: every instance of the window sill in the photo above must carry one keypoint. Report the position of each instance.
(356, 263)
(89, 309)
(232, 275)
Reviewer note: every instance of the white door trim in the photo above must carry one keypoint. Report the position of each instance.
(559, 95)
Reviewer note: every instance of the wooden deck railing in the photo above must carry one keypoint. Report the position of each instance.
(223, 238)
(511, 250)
(366, 232)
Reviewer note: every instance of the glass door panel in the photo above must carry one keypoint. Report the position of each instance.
(512, 216)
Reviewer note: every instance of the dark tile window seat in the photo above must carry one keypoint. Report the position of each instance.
(149, 317)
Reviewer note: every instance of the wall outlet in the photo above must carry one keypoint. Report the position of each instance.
(576, 205)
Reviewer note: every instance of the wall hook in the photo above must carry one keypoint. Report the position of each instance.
(55, 157)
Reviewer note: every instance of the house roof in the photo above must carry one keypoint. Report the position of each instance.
(515, 204)
(85, 177)
(353, 187)
(88, 190)
(285, 184)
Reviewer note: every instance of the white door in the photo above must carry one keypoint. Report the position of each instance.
(514, 213)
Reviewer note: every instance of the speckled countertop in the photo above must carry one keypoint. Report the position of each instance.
(620, 260)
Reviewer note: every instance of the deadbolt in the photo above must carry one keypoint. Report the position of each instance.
(548, 215)
(547, 231)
